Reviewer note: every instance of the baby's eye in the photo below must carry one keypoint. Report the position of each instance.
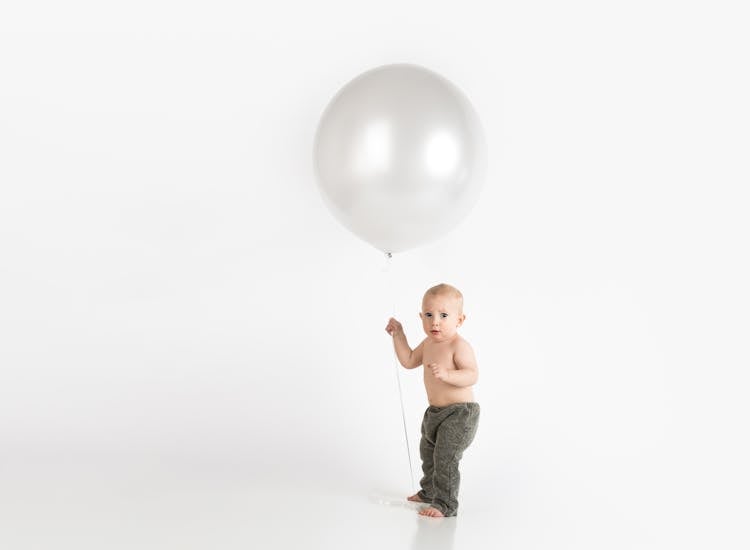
(443, 315)
(428, 314)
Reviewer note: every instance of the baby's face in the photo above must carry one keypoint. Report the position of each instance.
(441, 316)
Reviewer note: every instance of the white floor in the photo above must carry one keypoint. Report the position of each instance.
(177, 505)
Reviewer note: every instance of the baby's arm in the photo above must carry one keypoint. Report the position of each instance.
(466, 373)
(406, 356)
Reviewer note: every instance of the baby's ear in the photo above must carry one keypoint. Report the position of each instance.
(461, 319)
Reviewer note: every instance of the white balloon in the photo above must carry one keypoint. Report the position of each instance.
(400, 156)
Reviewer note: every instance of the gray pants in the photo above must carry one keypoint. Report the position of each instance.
(446, 433)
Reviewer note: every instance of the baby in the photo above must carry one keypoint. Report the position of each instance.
(451, 420)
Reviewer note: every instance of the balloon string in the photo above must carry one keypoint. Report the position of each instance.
(389, 273)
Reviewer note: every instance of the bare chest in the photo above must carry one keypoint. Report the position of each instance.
(442, 355)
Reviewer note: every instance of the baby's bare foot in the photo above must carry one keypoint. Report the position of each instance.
(431, 512)
(414, 498)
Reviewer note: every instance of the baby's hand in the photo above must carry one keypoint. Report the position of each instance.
(393, 327)
(438, 371)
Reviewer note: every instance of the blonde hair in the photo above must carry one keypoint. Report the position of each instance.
(444, 289)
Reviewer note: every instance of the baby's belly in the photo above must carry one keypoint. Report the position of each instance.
(444, 396)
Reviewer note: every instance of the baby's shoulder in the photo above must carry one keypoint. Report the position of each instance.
(462, 349)
(461, 343)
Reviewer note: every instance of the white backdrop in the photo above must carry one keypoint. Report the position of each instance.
(175, 299)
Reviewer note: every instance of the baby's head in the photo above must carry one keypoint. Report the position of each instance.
(442, 312)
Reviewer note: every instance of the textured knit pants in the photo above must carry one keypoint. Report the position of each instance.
(446, 433)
